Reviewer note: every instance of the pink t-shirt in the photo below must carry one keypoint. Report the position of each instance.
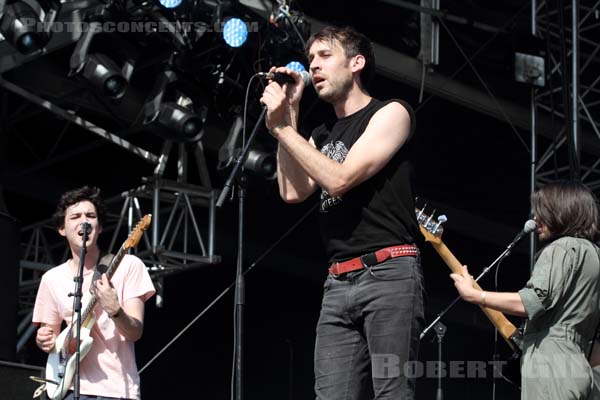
(109, 369)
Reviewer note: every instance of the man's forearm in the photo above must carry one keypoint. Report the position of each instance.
(326, 172)
(128, 326)
(294, 182)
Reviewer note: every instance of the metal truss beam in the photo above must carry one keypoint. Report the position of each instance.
(71, 116)
(572, 93)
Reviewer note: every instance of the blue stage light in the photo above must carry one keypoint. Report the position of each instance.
(296, 66)
(170, 3)
(235, 32)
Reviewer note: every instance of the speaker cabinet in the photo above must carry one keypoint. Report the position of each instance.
(15, 383)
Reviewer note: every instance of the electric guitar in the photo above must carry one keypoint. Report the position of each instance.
(432, 231)
(60, 367)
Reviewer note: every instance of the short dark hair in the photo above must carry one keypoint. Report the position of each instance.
(353, 43)
(567, 209)
(89, 193)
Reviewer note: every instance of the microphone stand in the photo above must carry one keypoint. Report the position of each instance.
(505, 253)
(240, 285)
(441, 328)
(77, 309)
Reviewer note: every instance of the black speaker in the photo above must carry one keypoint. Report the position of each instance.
(15, 383)
(9, 264)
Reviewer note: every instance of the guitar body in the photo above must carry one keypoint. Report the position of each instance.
(60, 366)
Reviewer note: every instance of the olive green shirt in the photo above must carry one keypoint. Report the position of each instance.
(562, 301)
(564, 288)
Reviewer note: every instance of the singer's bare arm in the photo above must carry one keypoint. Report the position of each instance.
(295, 185)
(386, 132)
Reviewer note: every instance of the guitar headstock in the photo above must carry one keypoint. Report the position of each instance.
(136, 233)
(431, 229)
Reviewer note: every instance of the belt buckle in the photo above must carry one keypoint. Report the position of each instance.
(363, 262)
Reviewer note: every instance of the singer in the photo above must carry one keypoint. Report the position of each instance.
(372, 308)
(561, 299)
(109, 369)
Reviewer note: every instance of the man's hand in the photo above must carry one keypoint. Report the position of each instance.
(464, 284)
(45, 338)
(106, 295)
(282, 101)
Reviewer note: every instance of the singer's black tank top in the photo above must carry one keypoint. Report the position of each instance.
(380, 211)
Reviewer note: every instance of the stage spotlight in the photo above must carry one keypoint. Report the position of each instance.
(104, 74)
(257, 162)
(170, 113)
(296, 66)
(261, 163)
(24, 28)
(235, 32)
(98, 69)
(170, 3)
(181, 124)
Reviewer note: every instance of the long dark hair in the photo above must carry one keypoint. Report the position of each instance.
(91, 194)
(567, 209)
(353, 43)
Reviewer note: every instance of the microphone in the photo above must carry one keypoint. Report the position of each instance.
(282, 78)
(529, 227)
(86, 227)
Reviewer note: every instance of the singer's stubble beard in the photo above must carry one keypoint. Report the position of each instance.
(338, 93)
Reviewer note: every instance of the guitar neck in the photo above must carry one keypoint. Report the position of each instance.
(502, 324)
(86, 314)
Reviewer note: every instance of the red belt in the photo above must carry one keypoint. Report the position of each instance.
(370, 259)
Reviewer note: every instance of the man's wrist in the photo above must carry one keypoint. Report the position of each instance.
(483, 297)
(278, 128)
(116, 314)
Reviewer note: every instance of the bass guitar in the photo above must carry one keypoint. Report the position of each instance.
(432, 230)
(60, 367)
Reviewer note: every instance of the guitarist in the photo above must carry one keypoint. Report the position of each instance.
(561, 299)
(109, 369)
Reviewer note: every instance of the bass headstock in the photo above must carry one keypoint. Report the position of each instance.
(431, 229)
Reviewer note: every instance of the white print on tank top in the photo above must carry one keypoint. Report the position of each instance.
(336, 152)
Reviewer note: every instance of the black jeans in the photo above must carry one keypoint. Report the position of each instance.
(368, 332)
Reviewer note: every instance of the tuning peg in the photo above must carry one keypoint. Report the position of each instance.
(440, 220)
(421, 211)
(430, 216)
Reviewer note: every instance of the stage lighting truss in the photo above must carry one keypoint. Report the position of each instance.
(286, 37)
(170, 111)
(98, 69)
(27, 24)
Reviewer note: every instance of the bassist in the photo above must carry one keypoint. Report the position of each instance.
(561, 298)
(109, 369)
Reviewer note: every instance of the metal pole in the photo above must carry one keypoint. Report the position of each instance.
(575, 85)
(533, 158)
